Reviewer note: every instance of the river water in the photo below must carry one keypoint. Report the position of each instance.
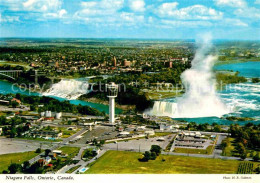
(6, 88)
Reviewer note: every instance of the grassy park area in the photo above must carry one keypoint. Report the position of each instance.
(71, 151)
(208, 150)
(121, 162)
(7, 159)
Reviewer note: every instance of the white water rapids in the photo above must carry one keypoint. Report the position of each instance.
(69, 89)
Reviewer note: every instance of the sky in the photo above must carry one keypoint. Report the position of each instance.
(155, 19)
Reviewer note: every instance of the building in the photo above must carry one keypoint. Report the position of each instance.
(114, 61)
(16, 100)
(58, 152)
(58, 115)
(46, 134)
(127, 63)
(48, 114)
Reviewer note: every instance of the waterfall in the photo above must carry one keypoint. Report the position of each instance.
(69, 89)
(200, 98)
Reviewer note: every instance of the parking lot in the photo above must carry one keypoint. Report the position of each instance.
(100, 133)
(141, 144)
(18, 145)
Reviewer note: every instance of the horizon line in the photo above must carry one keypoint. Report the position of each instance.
(125, 38)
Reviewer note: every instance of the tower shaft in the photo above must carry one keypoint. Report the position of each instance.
(112, 110)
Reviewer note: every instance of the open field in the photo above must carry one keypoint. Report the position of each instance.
(208, 150)
(71, 151)
(7, 159)
(121, 162)
(157, 95)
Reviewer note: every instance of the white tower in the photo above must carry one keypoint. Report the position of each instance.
(112, 94)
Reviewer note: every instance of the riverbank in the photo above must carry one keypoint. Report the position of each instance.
(236, 61)
(106, 102)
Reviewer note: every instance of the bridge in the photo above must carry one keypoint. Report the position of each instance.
(12, 74)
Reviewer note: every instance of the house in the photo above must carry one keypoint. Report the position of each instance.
(48, 160)
(58, 152)
(165, 127)
(41, 162)
(4, 102)
(151, 132)
(16, 100)
(48, 134)
(140, 128)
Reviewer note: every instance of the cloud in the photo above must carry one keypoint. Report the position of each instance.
(100, 8)
(179, 23)
(39, 10)
(241, 8)
(231, 3)
(59, 14)
(42, 5)
(137, 5)
(198, 12)
(106, 13)
(9, 18)
(233, 22)
(249, 12)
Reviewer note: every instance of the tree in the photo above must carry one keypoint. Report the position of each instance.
(14, 104)
(147, 156)
(102, 142)
(32, 108)
(13, 168)
(4, 172)
(157, 149)
(240, 148)
(256, 157)
(26, 165)
(47, 151)
(38, 150)
(153, 156)
(243, 156)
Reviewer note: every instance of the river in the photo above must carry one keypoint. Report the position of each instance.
(6, 88)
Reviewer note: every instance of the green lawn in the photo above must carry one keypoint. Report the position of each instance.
(7, 159)
(39, 139)
(71, 151)
(73, 169)
(161, 134)
(121, 162)
(208, 150)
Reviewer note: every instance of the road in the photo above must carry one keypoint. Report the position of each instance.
(56, 146)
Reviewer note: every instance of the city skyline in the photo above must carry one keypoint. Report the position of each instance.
(164, 19)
